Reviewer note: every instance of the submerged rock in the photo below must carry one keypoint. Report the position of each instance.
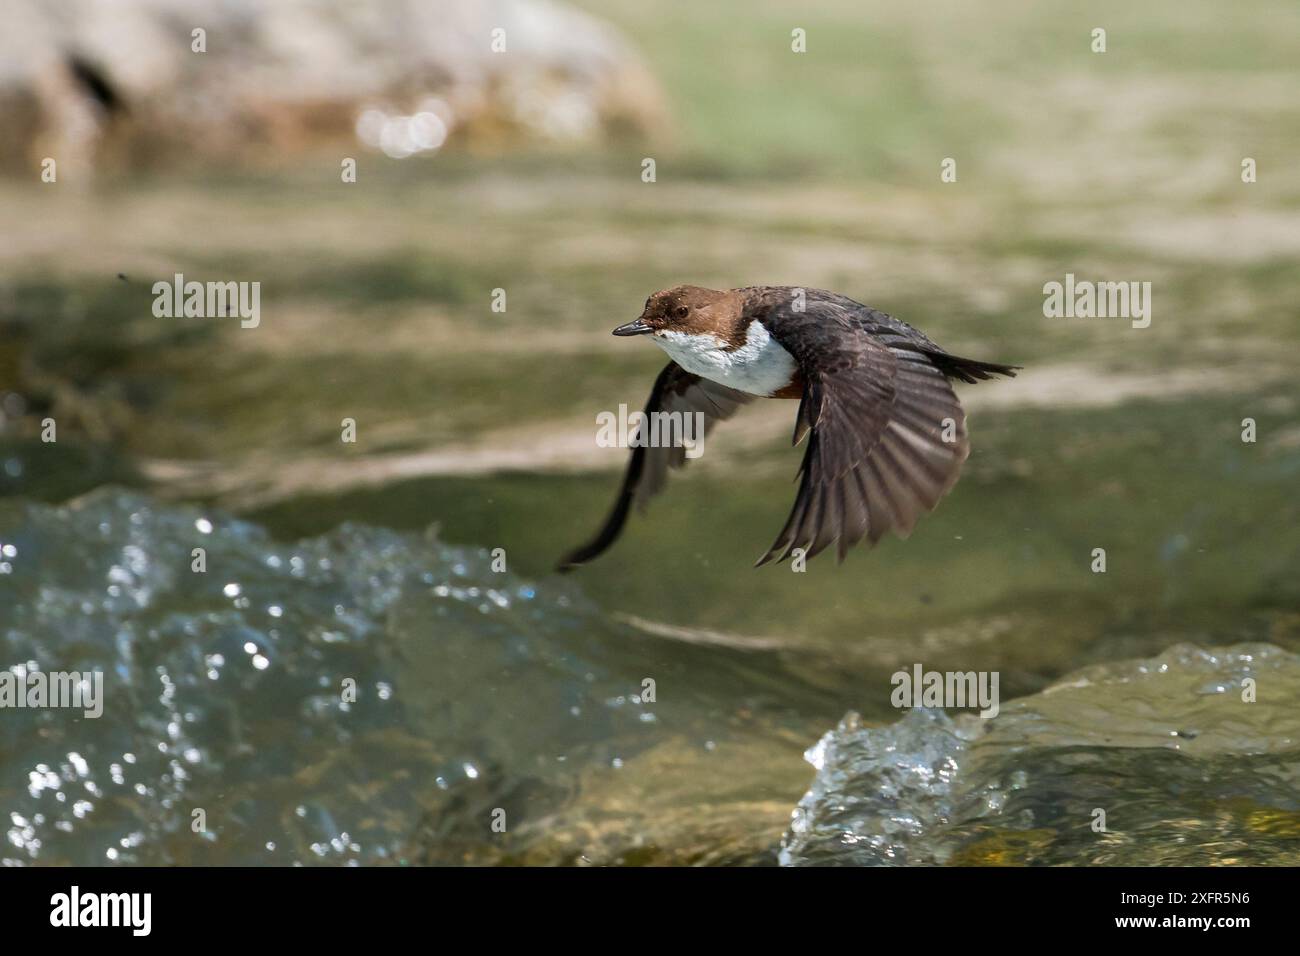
(1192, 757)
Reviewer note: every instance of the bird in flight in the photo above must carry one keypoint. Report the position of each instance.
(886, 434)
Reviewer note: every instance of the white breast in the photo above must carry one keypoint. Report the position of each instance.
(759, 367)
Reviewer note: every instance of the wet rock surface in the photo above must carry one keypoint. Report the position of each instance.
(1168, 754)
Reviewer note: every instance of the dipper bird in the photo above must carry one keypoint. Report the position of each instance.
(888, 436)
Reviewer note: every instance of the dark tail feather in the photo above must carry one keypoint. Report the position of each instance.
(604, 538)
(970, 370)
(613, 525)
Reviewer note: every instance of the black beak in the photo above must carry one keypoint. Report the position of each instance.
(633, 328)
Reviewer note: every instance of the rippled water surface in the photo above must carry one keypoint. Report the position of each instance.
(481, 696)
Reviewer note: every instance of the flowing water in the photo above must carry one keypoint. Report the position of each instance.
(474, 691)
(229, 735)
(376, 663)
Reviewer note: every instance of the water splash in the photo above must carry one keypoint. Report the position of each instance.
(361, 697)
(1167, 761)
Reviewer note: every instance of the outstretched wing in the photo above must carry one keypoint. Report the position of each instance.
(888, 436)
(675, 390)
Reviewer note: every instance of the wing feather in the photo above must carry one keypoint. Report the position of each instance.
(675, 390)
(888, 435)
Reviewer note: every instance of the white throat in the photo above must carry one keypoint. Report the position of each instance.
(759, 367)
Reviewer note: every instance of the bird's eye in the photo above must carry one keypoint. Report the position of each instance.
(681, 311)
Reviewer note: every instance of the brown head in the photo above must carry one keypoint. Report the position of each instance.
(691, 310)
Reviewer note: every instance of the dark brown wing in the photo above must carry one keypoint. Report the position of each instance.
(675, 390)
(888, 436)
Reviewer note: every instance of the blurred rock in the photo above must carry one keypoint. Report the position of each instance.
(93, 84)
